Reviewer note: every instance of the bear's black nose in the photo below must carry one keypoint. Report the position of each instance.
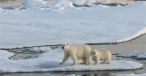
(62, 47)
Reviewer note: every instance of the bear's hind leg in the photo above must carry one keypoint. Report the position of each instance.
(83, 61)
(109, 60)
(88, 60)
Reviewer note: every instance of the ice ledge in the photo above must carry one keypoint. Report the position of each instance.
(138, 34)
(116, 65)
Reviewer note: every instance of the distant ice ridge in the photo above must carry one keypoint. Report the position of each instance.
(35, 3)
(61, 4)
(1, 10)
(141, 32)
(90, 2)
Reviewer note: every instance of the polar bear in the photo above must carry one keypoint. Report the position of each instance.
(77, 52)
(103, 54)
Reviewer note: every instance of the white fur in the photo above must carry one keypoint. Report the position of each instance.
(77, 52)
(102, 54)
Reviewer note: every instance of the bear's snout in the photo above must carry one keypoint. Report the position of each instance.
(62, 47)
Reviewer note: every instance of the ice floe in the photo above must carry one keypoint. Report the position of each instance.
(135, 54)
(49, 61)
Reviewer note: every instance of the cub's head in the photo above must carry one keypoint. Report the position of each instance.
(94, 51)
(93, 54)
(65, 47)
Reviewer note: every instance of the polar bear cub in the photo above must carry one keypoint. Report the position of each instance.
(102, 54)
(77, 52)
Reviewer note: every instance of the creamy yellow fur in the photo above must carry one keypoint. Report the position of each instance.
(102, 54)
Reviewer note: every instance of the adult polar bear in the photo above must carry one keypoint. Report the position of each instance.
(77, 52)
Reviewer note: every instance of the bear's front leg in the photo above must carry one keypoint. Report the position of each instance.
(64, 58)
(97, 60)
(90, 61)
(87, 60)
(74, 58)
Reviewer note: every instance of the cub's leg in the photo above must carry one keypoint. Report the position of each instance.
(97, 60)
(104, 61)
(89, 60)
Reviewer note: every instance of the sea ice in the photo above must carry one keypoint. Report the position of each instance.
(50, 60)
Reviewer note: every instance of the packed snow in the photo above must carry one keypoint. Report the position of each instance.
(135, 54)
(141, 56)
(49, 61)
(33, 26)
(109, 74)
(144, 74)
(39, 49)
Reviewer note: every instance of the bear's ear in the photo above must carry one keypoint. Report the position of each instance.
(66, 45)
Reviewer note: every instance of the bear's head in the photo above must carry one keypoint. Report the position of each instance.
(93, 54)
(65, 47)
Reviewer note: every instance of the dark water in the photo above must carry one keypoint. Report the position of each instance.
(93, 73)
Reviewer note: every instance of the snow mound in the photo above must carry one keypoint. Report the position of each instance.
(141, 56)
(141, 32)
(35, 3)
(1, 10)
(39, 49)
(49, 61)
